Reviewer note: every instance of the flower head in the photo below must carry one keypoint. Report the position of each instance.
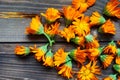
(60, 57)
(22, 50)
(112, 8)
(91, 42)
(81, 26)
(88, 71)
(110, 77)
(49, 59)
(96, 19)
(117, 59)
(106, 60)
(66, 69)
(110, 48)
(108, 27)
(52, 29)
(117, 67)
(51, 15)
(78, 55)
(67, 33)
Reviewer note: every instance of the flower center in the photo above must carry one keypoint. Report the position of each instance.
(87, 72)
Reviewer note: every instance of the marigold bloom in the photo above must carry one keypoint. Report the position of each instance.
(91, 42)
(49, 59)
(81, 26)
(117, 59)
(106, 60)
(108, 27)
(79, 40)
(110, 48)
(110, 77)
(78, 55)
(112, 8)
(67, 33)
(22, 50)
(117, 67)
(70, 14)
(51, 15)
(88, 71)
(39, 52)
(52, 29)
(96, 19)
(60, 57)
(66, 70)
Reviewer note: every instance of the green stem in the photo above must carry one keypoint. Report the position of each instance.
(50, 41)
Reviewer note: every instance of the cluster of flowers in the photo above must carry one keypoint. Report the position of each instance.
(77, 30)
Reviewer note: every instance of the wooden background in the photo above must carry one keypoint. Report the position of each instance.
(12, 33)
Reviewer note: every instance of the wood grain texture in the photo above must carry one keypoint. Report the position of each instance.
(12, 32)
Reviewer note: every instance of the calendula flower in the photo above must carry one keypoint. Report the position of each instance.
(70, 14)
(66, 69)
(117, 59)
(91, 42)
(117, 67)
(111, 77)
(88, 71)
(112, 8)
(78, 55)
(60, 57)
(96, 19)
(51, 15)
(108, 27)
(79, 40)
(81, 26)
(106, 60)
(52, 29)
(67, 33)
(110, 48)
(36, 27)
(22, 50)
(94, 53)
(49, 59)
(39, 52)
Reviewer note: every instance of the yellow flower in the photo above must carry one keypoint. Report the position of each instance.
(66, 69)
(67, 33)
(108, 27)
(88, 71)
(78, 55)
(111, 77)
(81, 26)
(49, 59)
(60, 57)
(112, 8)
(110, 49)
(82, 5)
(52, 29)
(96, 19)
(106, 60)
(51, 15)
(21, 50)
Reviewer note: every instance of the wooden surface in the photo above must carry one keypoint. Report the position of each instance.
(12, 33)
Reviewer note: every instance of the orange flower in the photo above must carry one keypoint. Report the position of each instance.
(21, 50)
(91, 42)
(110, 77)
(66, 70)
(60, 57)
(110, 48)
(35, 27)
(112, 8)
(88, 71)
(52, 29)
(106, 60)
(67, 33)
(82, 5)
(78, 55)
(117, 59)
(118, 42)
(96, 19)
(79, 41)
(51, 15)
(70, 14)
(81, 26)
